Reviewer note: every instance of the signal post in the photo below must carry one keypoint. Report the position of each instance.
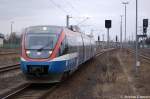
(108, 26)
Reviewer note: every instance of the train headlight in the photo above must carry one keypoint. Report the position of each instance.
(22, 59)
(50, 52)
(39, 53)
(28, 52)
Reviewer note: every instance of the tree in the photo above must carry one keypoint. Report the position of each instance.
(14, 39)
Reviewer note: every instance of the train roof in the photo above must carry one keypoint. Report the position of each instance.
(53, 29)
(44, 29)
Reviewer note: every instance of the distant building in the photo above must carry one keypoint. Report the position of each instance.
(1, 39)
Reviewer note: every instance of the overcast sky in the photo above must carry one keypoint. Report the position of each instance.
(53, 12)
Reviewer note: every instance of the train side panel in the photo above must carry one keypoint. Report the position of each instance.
(74, 45)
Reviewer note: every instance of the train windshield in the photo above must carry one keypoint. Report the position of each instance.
(41, 41)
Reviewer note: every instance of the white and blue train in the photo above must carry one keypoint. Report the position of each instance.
(50, 53)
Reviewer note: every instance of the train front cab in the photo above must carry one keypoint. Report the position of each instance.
(40, 45)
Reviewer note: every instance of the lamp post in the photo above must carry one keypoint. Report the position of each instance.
(11, 31)
(67, 20)
(121, 32)
(137, 63)
(125, 3)
(11, 27)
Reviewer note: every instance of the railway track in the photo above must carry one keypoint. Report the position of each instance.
(145, 52)
(104, 51)
(12, 92)
(30, 91)
(8, 53)
(145, 57)
(10, 67)
(36, 91)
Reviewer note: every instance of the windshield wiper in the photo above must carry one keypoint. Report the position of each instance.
(40, 49)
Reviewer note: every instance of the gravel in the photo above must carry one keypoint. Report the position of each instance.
(96, 79)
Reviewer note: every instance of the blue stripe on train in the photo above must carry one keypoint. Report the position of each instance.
(54, 66)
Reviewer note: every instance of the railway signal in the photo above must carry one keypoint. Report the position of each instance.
(145, 25)
(108, 26)
(145, 22)
(144, 30)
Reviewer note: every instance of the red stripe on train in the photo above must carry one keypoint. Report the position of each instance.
(58, 45)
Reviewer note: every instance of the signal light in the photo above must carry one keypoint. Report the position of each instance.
(107, 23)
(144, 29)
(145, 23)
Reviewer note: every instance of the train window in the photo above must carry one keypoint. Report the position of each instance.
(64, 48)
(40, 41)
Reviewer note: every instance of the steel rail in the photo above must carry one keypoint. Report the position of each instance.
(8, 53)
(21, 90)
(141, 55)
(15, 91)
(104, 51)
(10, 67)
